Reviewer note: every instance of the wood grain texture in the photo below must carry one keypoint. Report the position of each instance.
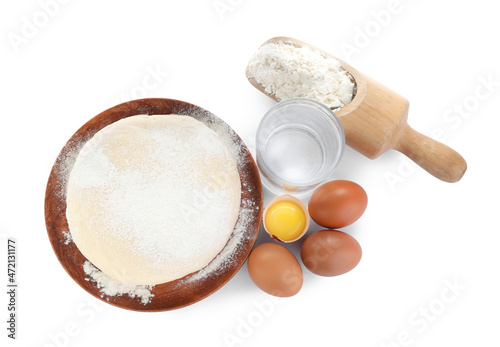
(376, 120)
(174, 294)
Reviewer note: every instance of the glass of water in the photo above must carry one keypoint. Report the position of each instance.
(299, 143)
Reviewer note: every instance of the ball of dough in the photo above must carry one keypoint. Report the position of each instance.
(151, 199)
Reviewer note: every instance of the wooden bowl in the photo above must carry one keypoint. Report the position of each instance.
(193, 287)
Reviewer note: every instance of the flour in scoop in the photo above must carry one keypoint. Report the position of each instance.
(288, 72)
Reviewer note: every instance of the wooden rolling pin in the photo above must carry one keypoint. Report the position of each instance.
(376, 121)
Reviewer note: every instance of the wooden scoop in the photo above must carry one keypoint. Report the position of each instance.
(376, 121)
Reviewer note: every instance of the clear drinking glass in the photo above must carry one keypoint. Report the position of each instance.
(299, 143)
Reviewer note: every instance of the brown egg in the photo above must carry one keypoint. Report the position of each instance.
(275, 270)
(337, 204)
(330, 253)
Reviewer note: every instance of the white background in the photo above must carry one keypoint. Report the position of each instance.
(418, 234)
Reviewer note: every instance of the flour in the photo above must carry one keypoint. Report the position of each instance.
(111, 287)
(67, 237)
(286, 71)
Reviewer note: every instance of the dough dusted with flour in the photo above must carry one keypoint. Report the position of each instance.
(151, 199)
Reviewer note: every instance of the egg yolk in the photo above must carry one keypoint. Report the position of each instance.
(285, 220)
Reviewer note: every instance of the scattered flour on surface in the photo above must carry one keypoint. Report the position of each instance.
(111, 287)
(67, 237)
